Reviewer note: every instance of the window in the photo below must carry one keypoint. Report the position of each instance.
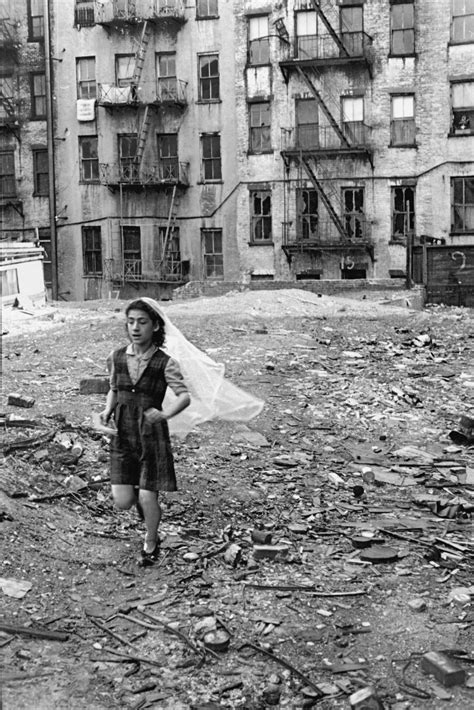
(40, 172)
(306, 35)
(7, 105)
(212, 251)
(209, 77)
(307, 214)
(462, 102)
(462, 27)
(402, 127)
(38, 96)
(85, 75)
(353, 206)
(351, 22)
(168, 156)
(307, 124)
(89, 160)
(35, 20)
(7, 174)
(402, 32)
(462, 190)
(128, 147)
(261, 216)
(124, 69)
(211, 156)
(259, 41)
(132, 252)
(353, 119)
(170, 253)
(260, 129)
(403, 213)
(167, 85)
(84, 13)
(92, 251)
(206, 8)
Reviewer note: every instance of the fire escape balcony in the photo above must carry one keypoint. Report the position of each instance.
(130, 12)
(111, 95)
(324, 141)
(324, 51)
(318, 235)
(171, 92)
(166, 270)
(132, 174)
(9, 42)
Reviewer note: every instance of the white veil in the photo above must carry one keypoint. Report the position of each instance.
(212, 395)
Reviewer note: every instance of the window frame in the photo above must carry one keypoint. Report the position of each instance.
(394, 31)
(129, 254)
(168, 163)
(406, 214)
(307, 221)
(212, 162)
(258, 53)
(89, 161)
(213, 260)
(126, 81)
(39, 175)
(36, 98)
(7, 176)
(395, 123)
(462, 16)
(212, 81)
(464, 109)
(170, 258)
(463, 205)
(260, 221)
(166, 84)
(86, 88)
(33, 35)
(211, 14)
(92, 257)
(260, 135)
(84, 16)
(354, 219)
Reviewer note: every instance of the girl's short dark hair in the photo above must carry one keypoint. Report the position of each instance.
(139, 305)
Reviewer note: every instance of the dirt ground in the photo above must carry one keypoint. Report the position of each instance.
(355, 455)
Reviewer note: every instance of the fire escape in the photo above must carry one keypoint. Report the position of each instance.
(141, 18)
(9, 114)
(323, 132)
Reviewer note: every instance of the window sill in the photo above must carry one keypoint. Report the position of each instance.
(40, 194)
(254, 66)
(207, 17)
(98, 275)
(209, 101)
(266, 243)
(89, 182)
(260, 152)
(467, 233)
(398, 242)
(455, 43)
(460, 132)
(403, 145)
(210, 182)
(409, 55)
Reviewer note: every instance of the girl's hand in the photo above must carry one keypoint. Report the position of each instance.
(104, 417)
(153, 416)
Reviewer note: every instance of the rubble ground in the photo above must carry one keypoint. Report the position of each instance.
(320, 550)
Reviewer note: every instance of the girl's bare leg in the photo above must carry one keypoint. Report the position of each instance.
(152, 512)
(124, 496)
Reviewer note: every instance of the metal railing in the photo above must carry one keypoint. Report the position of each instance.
(113, 95)
(315, 137)
(171, 90)
(315, 232)
(133, 173)
(138, 10)
(168, 270)
(357, 45)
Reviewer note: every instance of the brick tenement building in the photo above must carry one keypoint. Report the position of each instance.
(232, 141)
(24, 190)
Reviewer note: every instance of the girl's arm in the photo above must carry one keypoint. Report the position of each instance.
(182, 401)
(110, 404)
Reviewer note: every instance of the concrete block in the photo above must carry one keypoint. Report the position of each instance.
(443, 669)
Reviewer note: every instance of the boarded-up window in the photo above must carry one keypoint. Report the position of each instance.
(402, 25)
(92, 250)
(259, 41)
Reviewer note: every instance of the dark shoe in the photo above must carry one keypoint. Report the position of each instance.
(149, 558)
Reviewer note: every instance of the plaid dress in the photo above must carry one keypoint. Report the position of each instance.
(141, 453)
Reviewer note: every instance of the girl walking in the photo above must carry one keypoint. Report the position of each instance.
(141, 460)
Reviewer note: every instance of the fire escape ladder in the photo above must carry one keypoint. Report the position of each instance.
(324, 196)
(303, 72)
(8, 105)
(141, 53)
(142, 136)
(172, 213)
(317, 6)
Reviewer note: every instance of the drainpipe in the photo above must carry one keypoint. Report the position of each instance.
(50, 134)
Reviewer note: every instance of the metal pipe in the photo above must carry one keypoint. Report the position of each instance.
(50, 137)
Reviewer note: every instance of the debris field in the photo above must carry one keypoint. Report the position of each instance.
(320, 555)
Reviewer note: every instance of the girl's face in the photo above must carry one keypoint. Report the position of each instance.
(140, 327)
